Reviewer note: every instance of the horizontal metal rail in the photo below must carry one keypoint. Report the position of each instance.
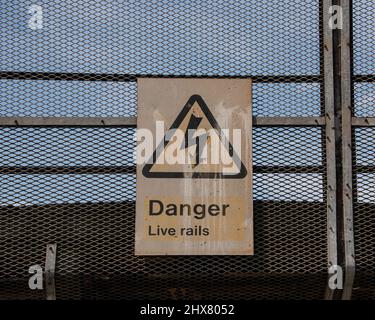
(68, 121)
(132, 121)
(67, 169)
(363, 121)
(288, 121)
(133, 77)
(131, 169)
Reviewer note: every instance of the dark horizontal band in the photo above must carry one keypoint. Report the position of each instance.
(364, 78)
(133, 77)
(131, 169)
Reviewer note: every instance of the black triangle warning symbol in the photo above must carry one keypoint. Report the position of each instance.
(195, 114)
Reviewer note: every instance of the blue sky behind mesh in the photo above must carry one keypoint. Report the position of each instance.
(164, 37)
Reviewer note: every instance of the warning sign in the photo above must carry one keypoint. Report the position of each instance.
(194, 176)
(198, 126)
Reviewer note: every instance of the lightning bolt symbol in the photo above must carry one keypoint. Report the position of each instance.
(189, 137)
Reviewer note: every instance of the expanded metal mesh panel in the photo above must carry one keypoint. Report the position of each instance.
(58, 147)
(91, 217)
(258, 287)
(286, 99)
(293, 187)
(76, 186)
(364, 99)
(365, 148)
(364, 164)
(287, 147)
(63, 98)
(363, 35)
(96, 241)
(162, 37)
(364, 213)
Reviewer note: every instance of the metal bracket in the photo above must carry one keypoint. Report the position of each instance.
(49, 271)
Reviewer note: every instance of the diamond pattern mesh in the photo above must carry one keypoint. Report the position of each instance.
(364, 99)
(363, 33)
(286, 99)
(163, 37)
(30, 98)
(364, 212)
(76, 186)
(364, 164)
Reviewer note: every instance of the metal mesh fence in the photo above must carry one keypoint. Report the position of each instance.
(163, 37)
(364, 209)
(91, 217)
(364, 164)
(75, 186)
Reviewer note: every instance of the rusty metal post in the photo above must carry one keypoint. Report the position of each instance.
(346, 149)
(330, 142)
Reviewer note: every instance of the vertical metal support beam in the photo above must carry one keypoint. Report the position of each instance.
(346, 146)
(50, 271)
(330, 142)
